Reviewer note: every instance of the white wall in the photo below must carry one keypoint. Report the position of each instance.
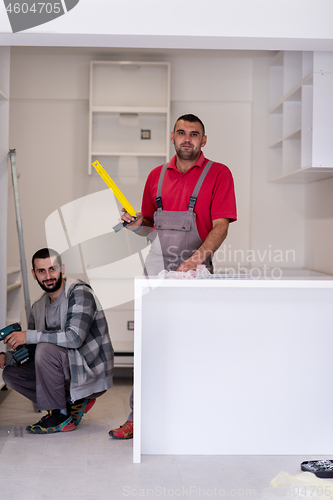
(49, 129)
(4, 117)
(218, 88)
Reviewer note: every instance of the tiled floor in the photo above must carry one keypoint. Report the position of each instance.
(87, 464)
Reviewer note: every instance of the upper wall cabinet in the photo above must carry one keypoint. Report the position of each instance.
(301, 117)
(129, 110)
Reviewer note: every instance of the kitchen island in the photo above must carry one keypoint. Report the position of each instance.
(233, 367)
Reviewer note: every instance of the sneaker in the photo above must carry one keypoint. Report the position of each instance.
(54, 421)
(79, 408)
(28, 428)
(123, 432)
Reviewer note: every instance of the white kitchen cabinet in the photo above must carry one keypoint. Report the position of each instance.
(263, 373)
(301, 116)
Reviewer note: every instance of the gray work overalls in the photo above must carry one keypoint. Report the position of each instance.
(176, 235)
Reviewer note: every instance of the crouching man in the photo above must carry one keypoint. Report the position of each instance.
(71, 356)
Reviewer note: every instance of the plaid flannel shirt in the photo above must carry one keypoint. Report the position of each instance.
(84, 333)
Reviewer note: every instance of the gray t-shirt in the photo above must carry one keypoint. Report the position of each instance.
(52, 312)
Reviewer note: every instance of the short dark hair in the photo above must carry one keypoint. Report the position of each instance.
(190, 118)
(45, 253)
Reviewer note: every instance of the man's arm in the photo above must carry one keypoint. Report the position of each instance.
(212, 242)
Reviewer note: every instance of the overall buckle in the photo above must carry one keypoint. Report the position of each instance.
(192, 202)
(159, 202)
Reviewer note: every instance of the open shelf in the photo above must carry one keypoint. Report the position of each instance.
(128, 99)
(114, 132)
(301, 117)
(303, 175)
(128, 83)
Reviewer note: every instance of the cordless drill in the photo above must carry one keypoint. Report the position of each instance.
(21, 353)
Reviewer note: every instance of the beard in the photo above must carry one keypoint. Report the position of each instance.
(52, 287)
(187, 153)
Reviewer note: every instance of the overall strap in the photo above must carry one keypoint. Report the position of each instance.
(193, 198)
(159, 187)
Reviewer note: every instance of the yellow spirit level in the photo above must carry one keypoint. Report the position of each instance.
(116, 191)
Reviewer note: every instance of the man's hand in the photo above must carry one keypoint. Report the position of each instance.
(135, 225)
(188, 264)
(126, 217)
(15, 339)
(2, 361)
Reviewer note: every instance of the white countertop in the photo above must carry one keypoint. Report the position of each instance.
(215, 281)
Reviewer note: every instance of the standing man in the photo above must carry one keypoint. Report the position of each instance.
(71, 356)
(186, 210)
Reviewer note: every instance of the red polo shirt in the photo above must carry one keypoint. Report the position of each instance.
(216, 198)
